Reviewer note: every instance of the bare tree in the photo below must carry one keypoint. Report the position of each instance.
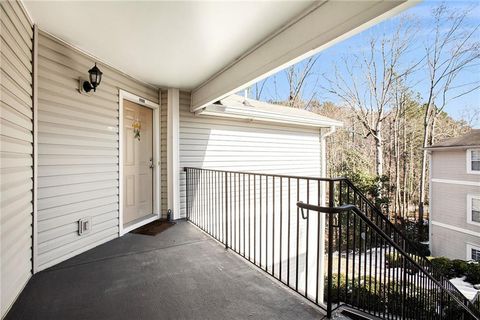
(451, 50)
(370, 95)
(297, 76)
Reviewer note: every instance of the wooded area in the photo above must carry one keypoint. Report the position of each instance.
(389, 119)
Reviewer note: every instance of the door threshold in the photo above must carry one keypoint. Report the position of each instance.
(137, 223)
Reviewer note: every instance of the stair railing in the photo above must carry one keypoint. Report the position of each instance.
(368, 271)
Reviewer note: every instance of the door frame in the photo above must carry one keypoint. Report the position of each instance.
(125, 95)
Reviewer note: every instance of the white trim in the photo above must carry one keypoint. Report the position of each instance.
(124, 95)
(469, 161)
(462, 230)
(173, 163)
(461, 182)
(471, 246)
(470, 197)
(261, 115)
(35, 150)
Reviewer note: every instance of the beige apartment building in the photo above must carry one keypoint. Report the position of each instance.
(455, 197)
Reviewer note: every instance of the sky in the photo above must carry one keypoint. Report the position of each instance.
(276, 86)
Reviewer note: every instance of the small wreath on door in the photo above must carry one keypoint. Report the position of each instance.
(136, 125)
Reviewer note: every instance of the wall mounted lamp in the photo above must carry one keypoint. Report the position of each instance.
(95, 76)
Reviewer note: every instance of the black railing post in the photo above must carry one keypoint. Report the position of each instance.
(330, 251)
(226, 211)
(187, 194)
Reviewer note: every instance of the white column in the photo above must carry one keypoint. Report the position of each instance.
(173, 159)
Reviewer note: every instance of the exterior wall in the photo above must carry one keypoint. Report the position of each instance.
(452, 165)
(451, 243)
(16, 152)
(450, 184)
(241, 145)
(452, 208)
(77, 151)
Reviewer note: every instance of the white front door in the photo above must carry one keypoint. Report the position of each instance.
(137, 162)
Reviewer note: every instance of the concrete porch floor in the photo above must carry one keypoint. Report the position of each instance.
(179, 274)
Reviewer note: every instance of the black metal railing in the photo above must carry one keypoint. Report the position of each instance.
(256, 215)
(370, 272)
(346, 193)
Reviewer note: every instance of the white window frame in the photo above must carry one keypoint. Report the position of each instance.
(470, 197)
(471, 246)
(469, 161)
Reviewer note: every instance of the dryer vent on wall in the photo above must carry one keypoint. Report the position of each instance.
(84, 226)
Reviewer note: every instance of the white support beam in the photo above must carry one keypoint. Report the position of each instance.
(173, 161)
(323, 25)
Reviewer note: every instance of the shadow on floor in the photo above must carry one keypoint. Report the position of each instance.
(179, 274)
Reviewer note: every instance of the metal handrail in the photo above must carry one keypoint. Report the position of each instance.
(409, 242)
(346, 208)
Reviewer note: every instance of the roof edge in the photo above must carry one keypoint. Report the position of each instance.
(262, 115)
(445, 148)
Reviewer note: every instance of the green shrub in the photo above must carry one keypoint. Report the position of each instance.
(443, 265)
(364, 295)
(395, 260)
(473, 272)
(456, 268)
(423, 249)
(459, 268)
(415, 299)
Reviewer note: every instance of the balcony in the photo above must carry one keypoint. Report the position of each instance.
(181, 273)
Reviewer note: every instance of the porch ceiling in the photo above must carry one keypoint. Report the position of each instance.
(213, 48)
(167, 44)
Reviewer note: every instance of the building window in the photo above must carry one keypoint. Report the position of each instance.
(473, 209)
(473, 161)
(473, 252)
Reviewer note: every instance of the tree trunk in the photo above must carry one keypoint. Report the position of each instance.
(378, 154)
(423, 172)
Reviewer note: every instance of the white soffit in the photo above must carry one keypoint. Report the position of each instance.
(166, 44)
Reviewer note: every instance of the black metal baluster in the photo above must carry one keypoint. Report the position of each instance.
(266, 223)
(319, 232)
(273, 226)
(255, 219)
(306, 240)
(288, 232)
(298, 235)
(244, 218)
(330, 253)
(260, 227)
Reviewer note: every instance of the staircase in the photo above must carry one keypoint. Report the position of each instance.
(374, 268)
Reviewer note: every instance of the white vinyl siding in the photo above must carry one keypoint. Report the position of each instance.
(16, 152)
(242, 145)
(77, 151)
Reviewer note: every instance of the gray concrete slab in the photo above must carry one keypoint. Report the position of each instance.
(179, 274)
